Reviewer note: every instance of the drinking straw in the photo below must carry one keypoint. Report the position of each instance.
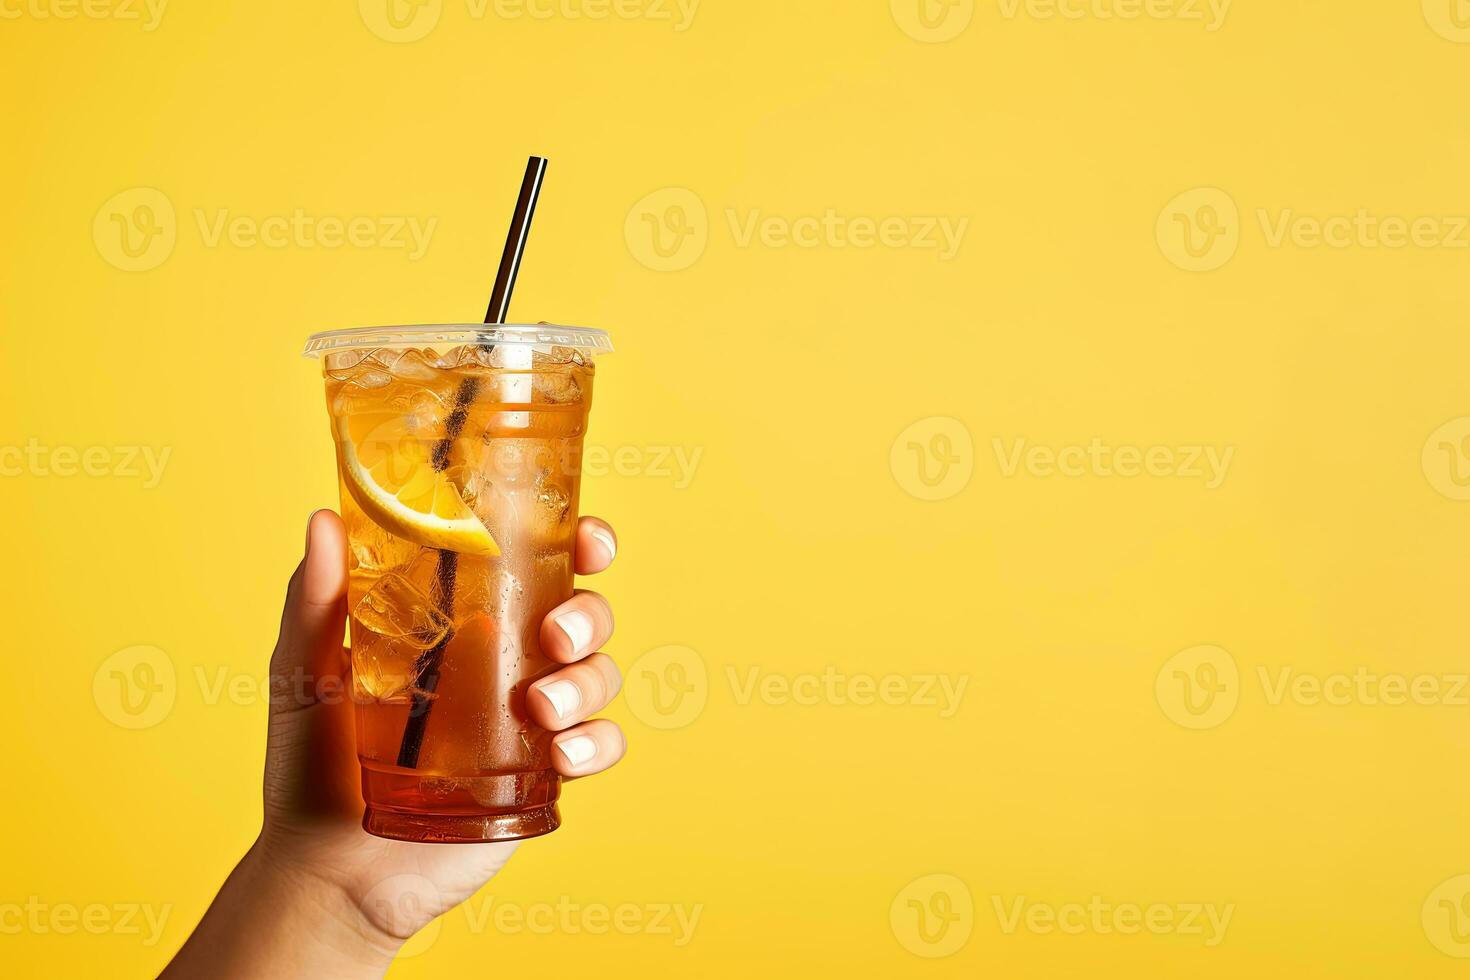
(447, 569)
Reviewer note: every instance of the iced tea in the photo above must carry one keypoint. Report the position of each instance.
(459, 469)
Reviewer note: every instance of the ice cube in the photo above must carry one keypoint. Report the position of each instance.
(555, 388)
(472, 357)
(398, 609)
(382, 669)
(553, 501)
(371, 553)
(555, 355)
(415, 365)
(340, 363)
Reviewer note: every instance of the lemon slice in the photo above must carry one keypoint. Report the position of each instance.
(390, 472)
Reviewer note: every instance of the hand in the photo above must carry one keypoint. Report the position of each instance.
(316, 895)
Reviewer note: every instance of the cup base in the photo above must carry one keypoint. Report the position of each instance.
(461, 828)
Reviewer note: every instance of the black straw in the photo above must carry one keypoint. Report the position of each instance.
(447, 569)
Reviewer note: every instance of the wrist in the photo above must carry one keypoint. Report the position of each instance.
(307, 903)
(275, 917)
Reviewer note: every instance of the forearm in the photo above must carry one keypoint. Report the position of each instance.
(269, 920)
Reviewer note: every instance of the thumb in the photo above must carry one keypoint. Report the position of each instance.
(309, 649)
(309, 764)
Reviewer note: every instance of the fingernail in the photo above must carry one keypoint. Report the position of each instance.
(565, 697)
(577, 625)
(607, 542)
(309, 522)
(578, 750)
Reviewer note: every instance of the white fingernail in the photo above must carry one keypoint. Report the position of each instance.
(577, 625)
(578, 750)
(607, 542)
(565, 697)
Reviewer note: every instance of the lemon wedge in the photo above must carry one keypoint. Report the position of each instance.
(389, 470)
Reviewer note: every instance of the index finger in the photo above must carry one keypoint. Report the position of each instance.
(596, 545)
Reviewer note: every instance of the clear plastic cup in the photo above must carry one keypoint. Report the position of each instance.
(459, 451)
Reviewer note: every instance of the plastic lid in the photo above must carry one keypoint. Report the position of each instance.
(454, 334)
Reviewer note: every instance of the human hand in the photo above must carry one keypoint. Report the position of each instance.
(316, 894)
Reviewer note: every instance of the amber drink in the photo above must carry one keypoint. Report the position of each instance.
(459, 455)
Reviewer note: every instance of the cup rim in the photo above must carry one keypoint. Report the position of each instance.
(589, 340)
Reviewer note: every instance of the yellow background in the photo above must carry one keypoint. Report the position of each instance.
(1334, 542)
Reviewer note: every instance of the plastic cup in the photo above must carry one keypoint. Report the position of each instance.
(459, 451)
